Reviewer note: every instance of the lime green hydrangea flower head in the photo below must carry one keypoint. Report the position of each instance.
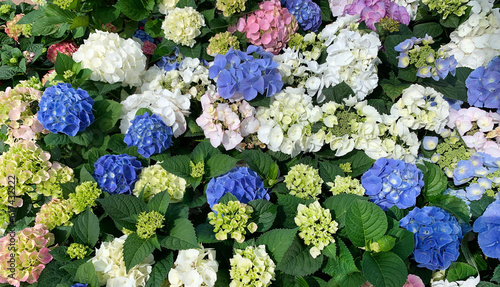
(447, 7)
(77, 250)
(297, 42)
(304, 181)
(155, 179)
(197, 170)
(229, 7)
(389, 24)
(316, 226)
(148, 222)
(451, 151)
(33, 82)
(251, 267)
(346, 185)
(4, 9)
(221, 42)
(54, 213)
(231, 218)
(84, 196)
(58, 174)
(346, 167)
(64, 4)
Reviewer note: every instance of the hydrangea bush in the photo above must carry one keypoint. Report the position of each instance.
(249, 143)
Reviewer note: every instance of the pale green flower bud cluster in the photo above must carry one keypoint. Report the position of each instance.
(55, 213)
(229, 7)
(33, 82)
(304, 181)
(148, 222)
(197, 170)
(4, 9)
(77, 250)
(251, 267)
(68, 74)
(346, 184)
(84, 196)
(155, 179)
(58, 175)
(450, 152)
(221, 42)
(447, 7)
(232, 219)
(316, 226)
(64, 4)
(346, 167)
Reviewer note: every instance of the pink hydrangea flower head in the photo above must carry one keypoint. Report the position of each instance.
(337, 6)
(371, 11)
(398, 13)
(270, 27)
(148, 48)
(65, 47)
(12, 29)
(414, 281)
(31, 254)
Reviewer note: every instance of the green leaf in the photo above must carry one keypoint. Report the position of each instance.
(452, 21)
(340, 204)
(134, 9)
(8, 72)
(496, 275)
(86, 228)
(405, 242)
(116, 143)
(178, 165)
(329, 171)
(86, 274)
(360, 162)
(258, 161)
(106, 14)
(135, 250)
(186, 3)
(453, 205)
(287, 208)
(297, 261)
(384, 269)
(365, 221)
(160, 268)
(460, 271)
(153, 28)
(326, 14)
(204, 150)
(477, 207)
(265, 213)
(205, 233)
(72, 267)
(330, 250)
(121, 207)
(194, 52)
(80, 21)
(85, 175)
(53, 275)
(341, 265)
(182, 236)
(56, 139)
(83, 138)
(107, 113)
(393, 90)
(389, 44)
(160, 202)
(277, 242)
(31, 17)
(385, 243)
(338, 93)
(63, 63)
(209, 15)
(220, 164)
(432, 29)
(59, 254)
(435, 181)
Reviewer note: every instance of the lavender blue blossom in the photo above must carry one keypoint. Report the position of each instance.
(169, 63)
(66, 110)
(143, 36)
(392, 182)
(483, 85)
(307, 13)
(149, 134)
(241, 182)
(463, 172)
(430, 143)
(243, 74)
(488, 227)
(117, 174)
(437, 236)
(79, 285)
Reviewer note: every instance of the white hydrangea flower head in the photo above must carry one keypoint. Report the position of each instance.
(110, 267)
(172, 107)
(166, 6)
(182, 25)
(477, 40)
(194, 267)
(422, 108)
(470, 282)
(112, 59)
(286, 124)
(352, 58)
(251, 266)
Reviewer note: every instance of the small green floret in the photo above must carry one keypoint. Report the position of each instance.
(197, 170)
(451, 151)
(77, 250)
(347, 120)
(447, 7)
(84, 196)
(4, 9)
(68, 74)
(303, 181)
(232, 219)
(422, 55)
(148, 222)
(64, 4)
(346, 167)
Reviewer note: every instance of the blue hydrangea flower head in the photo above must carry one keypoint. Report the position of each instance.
(437, 236)
(149, 134)
(483, 86)
(79, 285)
(392, 182)
(488, 227)
(143, 36)
(307, 13)
(117, 174)
(66, 110)
(241, 182)
(246, 74)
